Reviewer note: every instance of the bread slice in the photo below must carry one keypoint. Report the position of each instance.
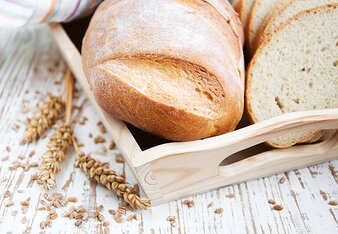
(279, 6)
(243, 8)
(234, 2)
(289, 10)
(296, 69)
(260, 10)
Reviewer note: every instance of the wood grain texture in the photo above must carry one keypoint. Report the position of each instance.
(29, 60)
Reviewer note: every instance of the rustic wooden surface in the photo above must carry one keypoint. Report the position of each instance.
(31, 66)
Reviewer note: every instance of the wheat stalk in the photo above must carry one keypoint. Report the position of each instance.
(110, 179)
(43, 119)
(58, 144)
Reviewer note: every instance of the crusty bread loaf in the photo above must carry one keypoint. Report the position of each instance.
(289, 10)
(260, 10)
(172, 68)
(296, 69)
(229, 14)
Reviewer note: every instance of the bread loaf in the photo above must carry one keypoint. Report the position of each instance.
(296, 69)
(171, 68)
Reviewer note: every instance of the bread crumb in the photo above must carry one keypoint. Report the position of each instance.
(90, 135)
(8, 149)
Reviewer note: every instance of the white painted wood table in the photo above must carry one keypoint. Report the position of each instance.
(31, 66)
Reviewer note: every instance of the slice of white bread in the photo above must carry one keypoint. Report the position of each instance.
(296, 69)
(260, 10)
(243, 7)
(279, 6)
(234, 2)
(288, 11)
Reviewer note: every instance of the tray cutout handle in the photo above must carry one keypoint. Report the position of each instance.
(182, 169)
(280, 160)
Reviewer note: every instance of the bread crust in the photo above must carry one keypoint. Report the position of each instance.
(313, 136)
(177, 30)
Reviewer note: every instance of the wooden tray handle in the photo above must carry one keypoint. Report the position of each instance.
(181, 169)
(225, 145)
(280, 160)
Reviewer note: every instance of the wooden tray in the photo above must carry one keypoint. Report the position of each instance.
(170, 170)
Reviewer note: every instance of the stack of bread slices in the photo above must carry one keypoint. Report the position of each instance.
(292, 56)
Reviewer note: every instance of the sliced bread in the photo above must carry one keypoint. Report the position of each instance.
(279, 6)
(243, 7)
(289, 10)
(260, 10)
(296, 69)
(234, 2)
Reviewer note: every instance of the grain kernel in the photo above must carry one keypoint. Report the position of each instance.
(271, 201)
(219, 211)
(333, 203)
(282, 180)
(278, 207)
(72, 199)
